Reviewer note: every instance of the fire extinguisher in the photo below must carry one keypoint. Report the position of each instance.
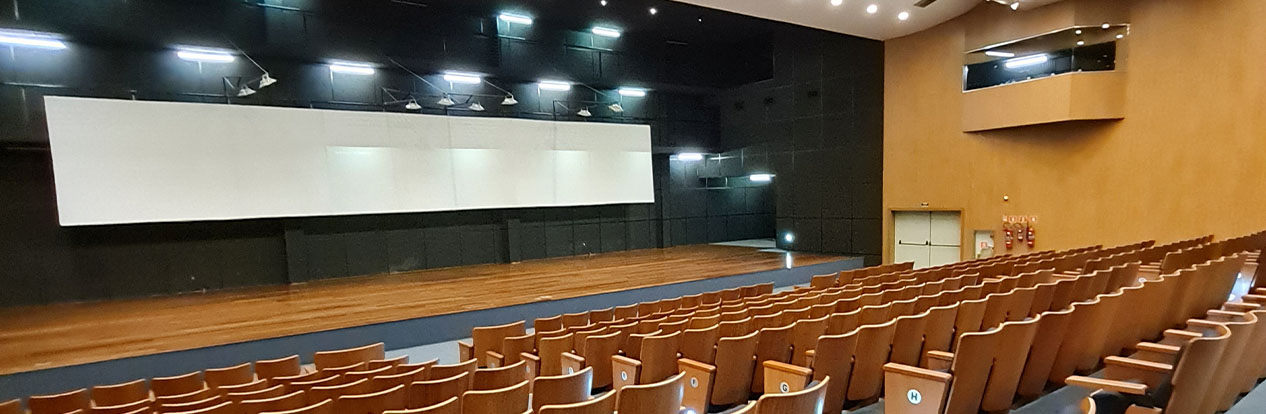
(1030, 236)
(1009, 238)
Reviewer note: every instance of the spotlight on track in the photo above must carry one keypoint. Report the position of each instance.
(446, 101)
(616, 107)
(266, 80)
(476, 107)
(584, 112)
(37, 40)
(245, 91)
(510, 101)
(412, 105)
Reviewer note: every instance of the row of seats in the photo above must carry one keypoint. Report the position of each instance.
(648, 348)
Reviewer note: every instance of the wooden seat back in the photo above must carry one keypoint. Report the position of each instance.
(501, 377)
(660, 397)
(371, 403)
(448, 371)
(431, 392)
(509, 400)
(492, 338)
(118, 394)
(234, 375)
(332, 392)
(602, 404)
(345, 357)
(320, 407)
(270, 400)
(176, 385)
(562, 389)
(281, 367)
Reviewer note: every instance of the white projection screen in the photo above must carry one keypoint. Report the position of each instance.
(120, 161)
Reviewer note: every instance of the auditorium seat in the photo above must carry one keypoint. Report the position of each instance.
(434, 391)
(568, 388)
(306, 385)
(509, 400)
(11, 407)
(807, 401)
(368, 373)
(270, 392)
(138, 405)
(656, 361)
(322, 407)
(661, 397)
(596, 354)
(198, 395)
(388, 362)
(176, 385)
(222, 407)
(124, 393)
(488, 338)
(500, 377)
(291, 401)
(331, 392)
(255, 385)
(400, 377)
(601, 404)
(281, 367)
(449, 406)
(345, 357)
(371, 403)
(234, 375)
(180, 407)
(448, 371)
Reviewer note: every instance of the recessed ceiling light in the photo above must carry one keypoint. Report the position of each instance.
(633, 92)
(1106, 26)
(1026, 61)
(605, 32)
(654, 11)
(872, 9)
(1015, 6)
(352, 68)
(903, 16)
(551, 85)
(515, 18)
(689, 156)
(995, 53)
(837, 2)
(31, 39)
(1081, 43)
(1078, 32)
(763, 178)
(1120, 36)
(461, 77)
(205, 55)
(603, 2)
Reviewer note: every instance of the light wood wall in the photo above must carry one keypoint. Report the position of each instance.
(1189, 158)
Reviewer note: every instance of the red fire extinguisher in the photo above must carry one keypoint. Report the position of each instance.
(1030, 236)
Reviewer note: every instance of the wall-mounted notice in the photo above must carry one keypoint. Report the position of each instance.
(119, 161)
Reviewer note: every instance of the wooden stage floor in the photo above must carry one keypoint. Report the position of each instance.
(42, 337)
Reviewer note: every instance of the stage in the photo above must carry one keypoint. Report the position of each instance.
(82, 344)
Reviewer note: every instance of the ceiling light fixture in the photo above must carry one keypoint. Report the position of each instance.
(1015, 6)
(245, 91)
(462, 77)
(205, 55)
(654, 11)
(446, 101)
(837, 2)
(1026, 61)
(510, 101)
(632, 92)
(266, 80)
(412, 105)
(616, 107)
(903, 16)
(515, 18)
(551, 85)
(352, 68)
(477, 107)
(31, 39)
(603, 2)
(1106, 26)
(690, 156)
(605, 32)
(762, 178)
(584, 112)
(1081, 43)
(1077, 32)
(995, 53)
(1121, 36)
(872, 9)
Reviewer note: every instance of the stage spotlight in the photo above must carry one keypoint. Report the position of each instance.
(446, 101)
(510, 101)
(245, 91)
(616, 107)
(266, 80)
(412, 105)
(476, 107)
(584, 112)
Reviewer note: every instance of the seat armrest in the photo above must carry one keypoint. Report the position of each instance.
(1154, 352)
(1106, 384)
(1177, 337)
(1153, 374)
(809, 356)
(533, 364)
(697, 391)
(465, 351)
(939, 360)
(624, 371)
(493, 359)
(1240, 307)
(903, 369)
(572, 363)
(900, 379)
(782, 378)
